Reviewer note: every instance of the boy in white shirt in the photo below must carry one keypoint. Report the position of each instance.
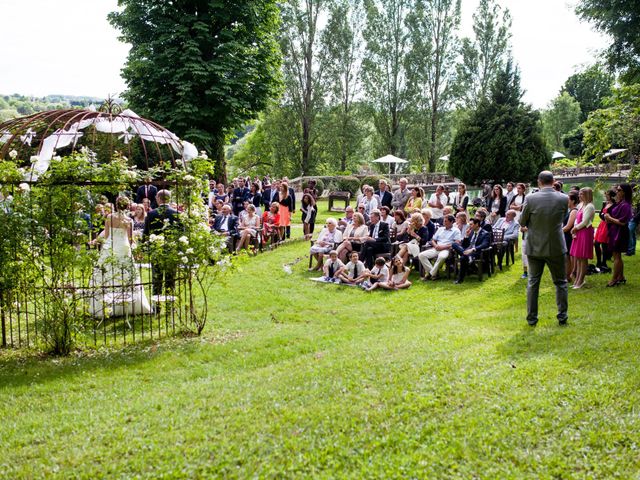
(354, 272)
(332, 268)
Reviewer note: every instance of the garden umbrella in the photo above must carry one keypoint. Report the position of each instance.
(613, 152)
(557, 155)
(389, 159)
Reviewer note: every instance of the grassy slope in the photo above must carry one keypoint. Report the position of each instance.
(299, 379)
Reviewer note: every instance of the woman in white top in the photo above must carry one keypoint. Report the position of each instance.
(398, 277)
(369, 201)
(328, 237)
(248, 228)
(518, 200)
(351, 237)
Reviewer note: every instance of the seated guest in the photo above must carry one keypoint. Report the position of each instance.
(418, 236)
(332, 267)
(271, 223)
(386, 217)
(248, 227)
(220, 193)
(476, 240)
(481, 214)
(370, 201)
(378, 241)
(441, 245)
(461, 199)
(354, 272)
(509, 225)
(225, 225)
(327, 239)
(462, 222)
(437, 202)
(352, 237)
(497, 204)
(415, 200)
(384, 194)
(431, 226)
(400, 224)
(362, 209)
(379, 272)
(397, 279)
(347, 219)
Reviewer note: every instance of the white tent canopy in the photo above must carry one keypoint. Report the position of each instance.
(390, 159)
(613, 152)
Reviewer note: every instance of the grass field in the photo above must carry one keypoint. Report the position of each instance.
(295, 379)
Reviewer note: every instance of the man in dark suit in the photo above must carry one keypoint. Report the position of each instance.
(226, 224)
(162, 274)
(147, 191)
(386, 197)
(542, 218)
(471, 248)
(266, 197)
(240, 194)
(378, 240)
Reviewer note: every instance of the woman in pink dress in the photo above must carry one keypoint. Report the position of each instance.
(582, 231)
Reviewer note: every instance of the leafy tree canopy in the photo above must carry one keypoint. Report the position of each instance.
(621, 20)
(200, 67)
(589, 87)
(501, 140)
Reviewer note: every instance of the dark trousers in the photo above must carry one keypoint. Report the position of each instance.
(369, 251)
(162, 276)
(558, 272)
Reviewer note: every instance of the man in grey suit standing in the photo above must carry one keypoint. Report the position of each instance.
(542, 216)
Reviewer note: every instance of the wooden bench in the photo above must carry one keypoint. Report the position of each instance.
(339, 197)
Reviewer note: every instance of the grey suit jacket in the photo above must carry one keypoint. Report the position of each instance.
(543, 213)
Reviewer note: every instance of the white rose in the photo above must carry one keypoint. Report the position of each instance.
(184, 240)
(34, 159)
(184, 260)
(189, 178)
(189, 251)
(13, 154)
(57, 158)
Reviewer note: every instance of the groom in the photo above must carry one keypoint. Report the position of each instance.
(155, 223)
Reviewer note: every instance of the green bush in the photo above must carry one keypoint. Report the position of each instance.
(348, 184)
(372, 180)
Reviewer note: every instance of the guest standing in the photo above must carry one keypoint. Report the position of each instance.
(286, 206)
(582, 232)
(542, 217)
(617, 224)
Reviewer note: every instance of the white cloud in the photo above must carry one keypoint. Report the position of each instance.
(68, 47)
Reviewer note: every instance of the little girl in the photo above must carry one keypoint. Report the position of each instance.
(398, 277)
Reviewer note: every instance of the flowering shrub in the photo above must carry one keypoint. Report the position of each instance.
(45, 229)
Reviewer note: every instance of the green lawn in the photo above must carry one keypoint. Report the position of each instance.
(295, 379)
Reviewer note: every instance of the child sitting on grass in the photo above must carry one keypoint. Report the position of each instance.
(354, 272)
(332, 268)
(397, 278)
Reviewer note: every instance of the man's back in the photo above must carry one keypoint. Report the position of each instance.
(543, 215)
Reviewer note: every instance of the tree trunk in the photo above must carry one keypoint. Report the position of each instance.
(218, 156)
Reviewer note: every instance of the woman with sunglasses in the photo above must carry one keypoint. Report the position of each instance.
(617, 224)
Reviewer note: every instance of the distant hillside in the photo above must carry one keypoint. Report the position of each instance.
(12, 106)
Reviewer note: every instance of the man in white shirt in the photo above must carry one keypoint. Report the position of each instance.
(437, 202)
(440, 247)
(510, 226)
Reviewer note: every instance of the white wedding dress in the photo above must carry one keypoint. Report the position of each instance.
(115, 283)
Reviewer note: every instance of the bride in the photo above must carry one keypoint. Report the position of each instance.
(115, 282)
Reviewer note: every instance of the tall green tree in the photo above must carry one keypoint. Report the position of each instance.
(589, 87)
(562, 117)
(343, 42)
(433, 26)
(200, 67)
(305, 70)
(617, 125)
(501, 140)
(384, 74)
(484, 55)
(620, 19)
